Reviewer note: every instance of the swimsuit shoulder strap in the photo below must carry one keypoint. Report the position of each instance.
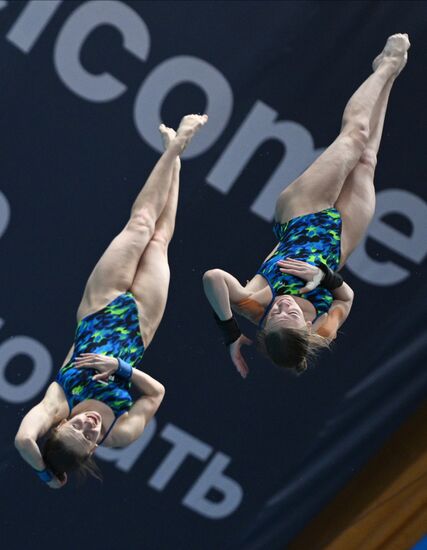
(267, 309)
(108, 431)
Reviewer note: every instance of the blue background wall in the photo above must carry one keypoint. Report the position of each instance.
(70, 168)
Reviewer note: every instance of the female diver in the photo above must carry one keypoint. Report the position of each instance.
(319, 220)
(122, 306)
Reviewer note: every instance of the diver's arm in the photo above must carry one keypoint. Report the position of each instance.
(343, 293)
(29, 450)
(147, 385)
(37, 422)
(338, 312)
(221, 289)
(131, 426)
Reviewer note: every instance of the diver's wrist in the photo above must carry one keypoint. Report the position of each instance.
(229, 328)
(124, 369)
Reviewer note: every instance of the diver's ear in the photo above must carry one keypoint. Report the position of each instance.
(309, 326)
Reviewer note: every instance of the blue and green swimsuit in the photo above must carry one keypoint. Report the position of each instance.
(113, 331)
(313, 238)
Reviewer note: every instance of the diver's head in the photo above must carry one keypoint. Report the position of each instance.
(287, 338)
(71, 444)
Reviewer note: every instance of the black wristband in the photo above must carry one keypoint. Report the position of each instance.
(331, 280)
(230, 329)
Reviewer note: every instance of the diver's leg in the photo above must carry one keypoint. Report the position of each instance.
(320, 185)
(151, 283)
(356, 202)
(116, 270)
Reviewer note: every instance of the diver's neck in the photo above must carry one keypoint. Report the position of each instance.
(308, 309)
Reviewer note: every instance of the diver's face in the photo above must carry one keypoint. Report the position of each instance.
(285, 312)
(81, 432)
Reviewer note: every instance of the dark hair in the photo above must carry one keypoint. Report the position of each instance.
(60, 459)
(290, 348)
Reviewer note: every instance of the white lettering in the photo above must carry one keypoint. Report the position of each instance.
(31, 23)
(214, 478)
(259, 126)
(24, 345)
(4, 213)
(126, 457)
(77, 28)
(413, 247)
(163, 79)
(184, 445)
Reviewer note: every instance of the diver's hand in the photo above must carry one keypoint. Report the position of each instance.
(106, 366)
(310, 273)
(236, 355)
(56, 483)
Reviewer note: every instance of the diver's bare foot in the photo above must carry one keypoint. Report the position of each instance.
(395, 51)
(188, 126)
(168, 134)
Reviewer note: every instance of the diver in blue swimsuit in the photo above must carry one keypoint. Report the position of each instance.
(297, 299)
(89, 403)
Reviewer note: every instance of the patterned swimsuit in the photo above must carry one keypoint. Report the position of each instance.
(312, 238)
(113, 331)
